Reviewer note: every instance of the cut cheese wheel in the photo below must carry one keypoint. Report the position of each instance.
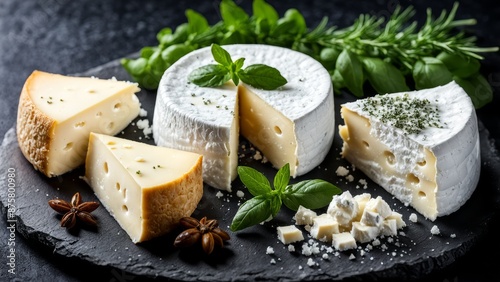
(293, 124)
(433, 168)
(146, 188)
(56, 114)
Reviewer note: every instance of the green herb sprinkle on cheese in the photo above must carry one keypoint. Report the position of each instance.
(411, 115)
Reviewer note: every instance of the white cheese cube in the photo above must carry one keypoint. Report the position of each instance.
(389, 227)
(343, 208)
(323, 227)
(363, 233)
(289, 234)
(304, 216)
(361, 199)
(379, 206)
(399, 219)
(343, 241)
(371, 218)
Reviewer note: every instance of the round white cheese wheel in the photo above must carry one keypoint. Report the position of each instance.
(294, 124)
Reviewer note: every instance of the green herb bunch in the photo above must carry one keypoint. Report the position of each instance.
(392, 55)
(267, 202)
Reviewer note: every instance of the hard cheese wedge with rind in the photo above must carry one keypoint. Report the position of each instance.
(146, 188)
(56, 114)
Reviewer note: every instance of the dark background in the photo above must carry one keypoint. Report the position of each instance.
(67, 36)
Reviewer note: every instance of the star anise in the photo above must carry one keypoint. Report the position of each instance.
(205, 230)
(75, 210)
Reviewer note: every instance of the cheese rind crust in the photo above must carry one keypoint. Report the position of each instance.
(146, 188)
(435, 171)
(56, 113)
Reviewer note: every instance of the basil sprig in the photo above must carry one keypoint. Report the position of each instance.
(267, 202)
(258, 75)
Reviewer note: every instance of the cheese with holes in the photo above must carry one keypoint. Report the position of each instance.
(56, 114)
(146, 188)
(293, 124)
(424, 150)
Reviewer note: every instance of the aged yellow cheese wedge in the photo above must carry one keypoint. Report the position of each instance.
(56, 113)
(146, 188)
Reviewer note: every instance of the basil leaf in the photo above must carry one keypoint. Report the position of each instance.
(430, 72)
(174, 52)
(478, 88)
(232, 14)
(275, 204)
(221, 56)
(299, 23)
(311, 194)
(351, 69)
(251, 212)
(138, 69)
(337, 81)
(239, 64)
(209, 76)
(262, 77)
(458, 65)
(328, 57)
(180, 35)
(197, 23)
(383, 76)
(264, 11)
(256, 182)
(282, 178)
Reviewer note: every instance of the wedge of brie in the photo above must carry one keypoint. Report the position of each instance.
(421, 146)
(56, 114)
(293, 124)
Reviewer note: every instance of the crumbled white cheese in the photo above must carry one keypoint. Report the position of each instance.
(143, 112)
(413, 217)
(240, 193)
(435, 230)
(342, 171)
(269, 250)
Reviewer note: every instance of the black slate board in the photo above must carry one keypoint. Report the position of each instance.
(409, 256)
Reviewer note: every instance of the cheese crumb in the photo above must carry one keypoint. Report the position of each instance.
(269, 250)
(240, 193)
(435, 230)
(342, 171)
(143, 112)
(310, 262)
(413, 217)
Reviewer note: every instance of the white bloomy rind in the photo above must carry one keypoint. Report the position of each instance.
(445, 160)
(205, 120)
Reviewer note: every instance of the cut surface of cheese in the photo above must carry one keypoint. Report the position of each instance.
(434, 168)
(56, 114)
(293, 124)
(146, 188)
